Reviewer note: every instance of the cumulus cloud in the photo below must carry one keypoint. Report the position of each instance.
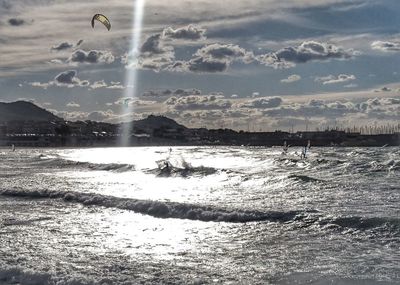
(130, 101)
(272, 60)
(154, 55)
(331, 79)
(101, 116)
(371, 109)
(202, 65)
(269, 112)
(169, 92)
(384, 89)
(263, 103)
(73, 105)
(70, 116)
(157, 53)
(385, 46)
(305, 52)
(62, 46)
(16, 22)
(224, 52)
(93, 56)
(381, 108)
(98, 84)
(214, 58)
(56, 61)
(116, 87)
(313, 108)
(102, 84)
(67, 79)
(31, 100)
(154, 45)
(292, 78)
(205, 102)
(189, 32)
(351, 85)
(39, 84)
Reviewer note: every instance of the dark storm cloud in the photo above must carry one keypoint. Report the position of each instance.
(62, 46)
(189, 32)
(305, 52)
(93, 56)
(16, 22)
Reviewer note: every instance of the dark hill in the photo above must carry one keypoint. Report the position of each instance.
(24, 111)
(153, 122)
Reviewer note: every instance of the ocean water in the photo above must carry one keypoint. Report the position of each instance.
(216, 215)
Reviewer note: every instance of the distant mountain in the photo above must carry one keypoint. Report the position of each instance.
(153, 122)
(25, 111)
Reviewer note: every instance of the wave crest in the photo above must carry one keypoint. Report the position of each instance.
(159, 209)
(57, 162)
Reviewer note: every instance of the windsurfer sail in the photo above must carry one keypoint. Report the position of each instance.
(305, 150)
(285, 148)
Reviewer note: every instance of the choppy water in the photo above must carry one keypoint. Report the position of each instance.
(217, 216)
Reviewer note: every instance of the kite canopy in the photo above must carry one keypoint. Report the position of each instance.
(102, 19)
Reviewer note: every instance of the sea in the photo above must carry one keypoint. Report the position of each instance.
(199, 215)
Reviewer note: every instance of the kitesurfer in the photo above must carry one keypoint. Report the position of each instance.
(102, 19)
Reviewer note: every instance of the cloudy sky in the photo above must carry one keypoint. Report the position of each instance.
(257, 64)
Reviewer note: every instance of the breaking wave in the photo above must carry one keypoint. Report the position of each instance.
(182, 172)
(57, 162)
(159, 209)
(15, 222)
(364, 223)
(21, 276)
(304, 178)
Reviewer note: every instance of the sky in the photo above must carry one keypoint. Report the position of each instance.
(256, 64)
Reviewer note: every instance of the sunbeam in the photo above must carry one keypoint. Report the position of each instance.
(131, 73)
